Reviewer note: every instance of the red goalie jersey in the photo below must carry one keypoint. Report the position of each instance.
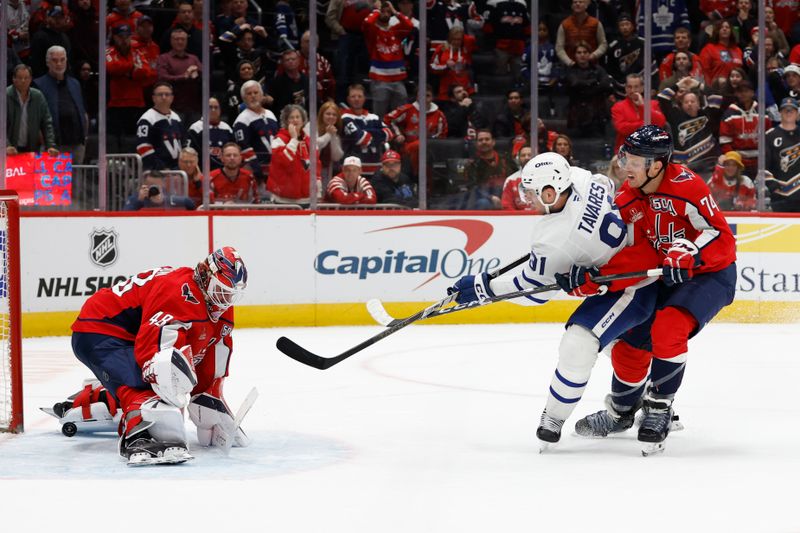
(162, 308)
(681, 207)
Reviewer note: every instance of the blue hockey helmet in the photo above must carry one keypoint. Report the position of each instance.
(651, 142)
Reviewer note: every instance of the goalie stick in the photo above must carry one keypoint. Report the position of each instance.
(225, 438)
(300, 354)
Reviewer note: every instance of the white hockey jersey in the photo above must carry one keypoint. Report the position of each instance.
(587, 232)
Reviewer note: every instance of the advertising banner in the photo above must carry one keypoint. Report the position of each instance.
(307, 269)
(64, 260)
(40, 179)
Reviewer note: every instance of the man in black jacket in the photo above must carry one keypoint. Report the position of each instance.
(391, 185)
(461, 113)
(65, 101)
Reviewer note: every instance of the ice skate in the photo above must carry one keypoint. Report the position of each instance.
(655, 425)
(603, 423)
(675, 424)
(548, 432)
(141, 449)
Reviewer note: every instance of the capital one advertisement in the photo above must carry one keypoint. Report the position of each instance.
(319, 258)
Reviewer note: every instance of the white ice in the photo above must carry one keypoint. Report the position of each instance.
(430, 430)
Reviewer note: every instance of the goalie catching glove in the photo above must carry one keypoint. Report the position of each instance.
(472, 289)
(682, 256)
(578, 282)
(214, 420)
(171, 374)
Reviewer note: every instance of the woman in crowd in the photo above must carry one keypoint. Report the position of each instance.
(291, 159)
(329, 141)
(722, 54)
(732, 190)
(682, 67)
(452, 61)
(726, 88)
(563, 147)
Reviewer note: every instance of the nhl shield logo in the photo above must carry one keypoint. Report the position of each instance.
(103, 251)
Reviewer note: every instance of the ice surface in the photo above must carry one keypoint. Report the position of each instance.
(430, 430)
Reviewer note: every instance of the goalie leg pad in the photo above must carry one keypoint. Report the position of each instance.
(576, 357)
(214, 421)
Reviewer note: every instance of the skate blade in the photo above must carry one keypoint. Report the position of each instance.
(544, 445)
(169, 458)
(652, 448)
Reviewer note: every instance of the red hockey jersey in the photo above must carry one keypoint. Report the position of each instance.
(681, 207)
(162, 308)
(387, 61)
(738, 195)
(405, 120)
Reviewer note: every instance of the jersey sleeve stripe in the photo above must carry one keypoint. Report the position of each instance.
(529, 297)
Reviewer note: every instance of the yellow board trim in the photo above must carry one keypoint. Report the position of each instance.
(355, 314)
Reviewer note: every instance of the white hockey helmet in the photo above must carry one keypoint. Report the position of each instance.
(546, 170)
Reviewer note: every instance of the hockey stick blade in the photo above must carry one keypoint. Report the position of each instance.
(301, 355)
(378, 312)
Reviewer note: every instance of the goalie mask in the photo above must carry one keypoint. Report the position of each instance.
(545, 170)
(222, 278)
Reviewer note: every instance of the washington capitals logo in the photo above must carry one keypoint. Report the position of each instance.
(186, 292)
(690, 128)
(683, 176)
(789, 156)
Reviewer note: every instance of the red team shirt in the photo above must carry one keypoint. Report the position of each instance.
(162, 308)
(681, 207)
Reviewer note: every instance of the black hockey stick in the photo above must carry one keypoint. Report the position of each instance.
(300, 354)
(379, 314)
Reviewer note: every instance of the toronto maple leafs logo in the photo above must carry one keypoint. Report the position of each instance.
(663, 18)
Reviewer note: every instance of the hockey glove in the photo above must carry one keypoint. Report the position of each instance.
(578, 282)
(682, 256)
(472, 289)
(171, 374)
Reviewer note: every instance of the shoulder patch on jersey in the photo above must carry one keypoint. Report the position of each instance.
(186, 292)
(683, 176)
(226, 330)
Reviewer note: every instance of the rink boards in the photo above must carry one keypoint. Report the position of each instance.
(308, 269)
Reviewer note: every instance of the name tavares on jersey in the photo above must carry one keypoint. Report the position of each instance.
(593, 205)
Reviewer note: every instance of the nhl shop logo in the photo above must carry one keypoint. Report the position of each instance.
(103, 249)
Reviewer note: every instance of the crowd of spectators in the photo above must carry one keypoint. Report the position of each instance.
(590, 68)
